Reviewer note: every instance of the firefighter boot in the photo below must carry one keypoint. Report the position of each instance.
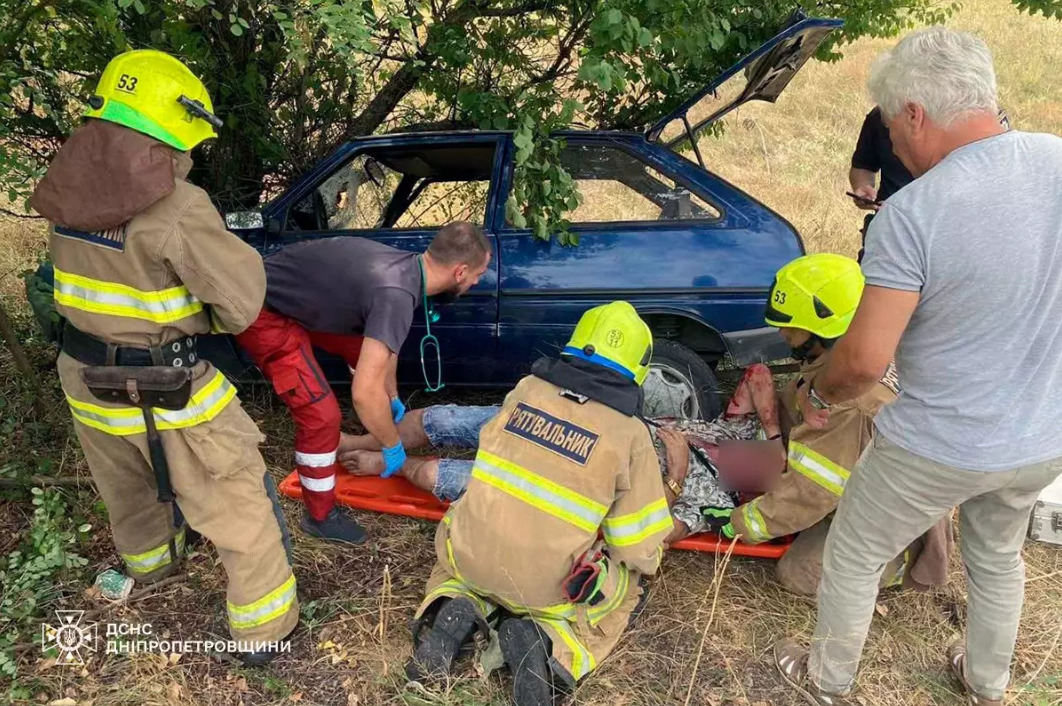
(527, 651)
(435, 654)
(338, 526)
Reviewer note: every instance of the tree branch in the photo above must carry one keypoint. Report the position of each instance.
(23, 216)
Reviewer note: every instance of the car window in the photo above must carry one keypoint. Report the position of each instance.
(353, 198)
(616, 186)
(402, 186)
(442, 202)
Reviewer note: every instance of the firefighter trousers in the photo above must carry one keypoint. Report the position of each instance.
(580, 636)
(223, 492)
(283, 350)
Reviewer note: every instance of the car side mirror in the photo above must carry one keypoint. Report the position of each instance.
(244, 220)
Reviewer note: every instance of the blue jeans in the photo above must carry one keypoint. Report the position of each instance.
(455, 426)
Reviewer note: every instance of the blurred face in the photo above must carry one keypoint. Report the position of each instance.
(466, 277)
(795, 337)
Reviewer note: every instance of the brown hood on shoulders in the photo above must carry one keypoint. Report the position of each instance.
(104, 175)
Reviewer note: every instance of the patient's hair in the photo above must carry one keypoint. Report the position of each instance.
(459, 243)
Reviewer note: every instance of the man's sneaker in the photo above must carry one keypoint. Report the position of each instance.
(791, 660)
(263, 657)
(435, 654)
(957, 660)
(339, 526)
(526, 650)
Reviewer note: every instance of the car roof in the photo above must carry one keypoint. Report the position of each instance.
(499, 133)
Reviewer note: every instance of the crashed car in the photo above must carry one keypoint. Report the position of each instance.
(695, 255)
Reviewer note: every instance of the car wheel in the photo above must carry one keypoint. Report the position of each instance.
(680, 384)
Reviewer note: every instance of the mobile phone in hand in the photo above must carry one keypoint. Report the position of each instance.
(863, 199)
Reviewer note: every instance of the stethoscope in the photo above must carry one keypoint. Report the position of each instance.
(428, 340)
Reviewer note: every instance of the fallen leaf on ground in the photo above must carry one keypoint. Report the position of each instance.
(63, 702)
(174, 691)
(881, 610)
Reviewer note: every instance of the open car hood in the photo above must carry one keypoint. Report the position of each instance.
(766, 73)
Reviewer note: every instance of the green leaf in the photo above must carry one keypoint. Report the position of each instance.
(139, 7)
(84, 528)
(125, 4)
(236, 29)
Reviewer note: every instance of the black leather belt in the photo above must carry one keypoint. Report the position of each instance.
(88, 349)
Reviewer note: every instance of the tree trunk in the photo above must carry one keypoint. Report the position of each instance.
(22, 363)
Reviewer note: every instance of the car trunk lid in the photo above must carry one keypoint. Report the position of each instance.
(761, 75)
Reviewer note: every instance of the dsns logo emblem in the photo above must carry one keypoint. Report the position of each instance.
(614, 339)
(69, 637)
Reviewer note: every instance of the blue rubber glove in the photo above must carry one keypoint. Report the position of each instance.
(398, 410)
(394, 457)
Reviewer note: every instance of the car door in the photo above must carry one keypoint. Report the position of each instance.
(653, 229)
(400, 190)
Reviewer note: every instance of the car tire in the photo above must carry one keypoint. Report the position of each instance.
(680, 384)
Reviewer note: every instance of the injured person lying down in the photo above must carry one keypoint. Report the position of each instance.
(687, 450)
(790, 475)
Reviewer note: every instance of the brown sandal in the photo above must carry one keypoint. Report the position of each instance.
(957, 660)
(791, 661)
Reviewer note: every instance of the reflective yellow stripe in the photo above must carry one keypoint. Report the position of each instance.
(583, 661)
(627, 530)
(817, 468)
(99, 297)
(154, 559)
(622, 585)
(757, 526)
(539, 492)
(123, 421)
(267, 608)
(450, 549)
(453, 586)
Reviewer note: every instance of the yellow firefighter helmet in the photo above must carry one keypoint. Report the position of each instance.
(152, 92)
(817, 293)
(613, 335)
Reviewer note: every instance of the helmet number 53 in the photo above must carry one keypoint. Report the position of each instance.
(779, 297)
(127, 83)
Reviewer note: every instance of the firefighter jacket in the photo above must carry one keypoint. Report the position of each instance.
(142, 258)
(819, 464)
(819, 460)
(556, 468)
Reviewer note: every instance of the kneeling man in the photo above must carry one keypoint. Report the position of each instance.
(566, 458)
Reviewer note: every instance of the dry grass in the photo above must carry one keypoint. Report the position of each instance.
(705, 635)
(795, 155)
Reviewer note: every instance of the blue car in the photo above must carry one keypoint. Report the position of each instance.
(694, 254)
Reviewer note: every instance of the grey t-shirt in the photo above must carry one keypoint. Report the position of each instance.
(346, 285)
(980, 364)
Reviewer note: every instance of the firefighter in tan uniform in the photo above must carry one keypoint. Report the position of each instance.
(566, 458)
(143, 264)
(813, 301)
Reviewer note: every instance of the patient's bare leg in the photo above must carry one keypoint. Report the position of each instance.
(421, 471)
(755, 394)
(411, 429)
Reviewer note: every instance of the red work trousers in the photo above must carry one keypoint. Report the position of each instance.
(283, 350)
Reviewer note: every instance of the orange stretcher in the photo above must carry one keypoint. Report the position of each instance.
(397, 496)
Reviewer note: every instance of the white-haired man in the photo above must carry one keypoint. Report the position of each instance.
(964, 288)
